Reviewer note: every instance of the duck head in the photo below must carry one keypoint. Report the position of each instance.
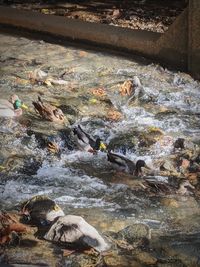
(40, 210)
(138, 167)
(99, 145)
(18, 105)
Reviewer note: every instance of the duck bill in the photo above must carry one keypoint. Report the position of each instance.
(24, 106)
(102, 147)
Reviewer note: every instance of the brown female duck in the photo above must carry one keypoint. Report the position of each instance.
(48, 111)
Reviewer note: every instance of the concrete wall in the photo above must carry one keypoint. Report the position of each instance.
(172, 46)
(178, 47)
(194, 38)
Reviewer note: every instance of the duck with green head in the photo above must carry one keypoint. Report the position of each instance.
(85, 142)
(12, 107)
(70, 231)
(126, 165)
(40, 210)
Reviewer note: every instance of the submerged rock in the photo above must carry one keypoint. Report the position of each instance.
(145, 258)
(83, 260)
(150, 137)
(134, 233)
(117, 260)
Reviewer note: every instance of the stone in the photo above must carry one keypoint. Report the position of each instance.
(83, 260)
(134, 233)
(170, 202)
(116, 260)
(193, 178)
(145, 258)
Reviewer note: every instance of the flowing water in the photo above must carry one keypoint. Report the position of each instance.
(83, 183)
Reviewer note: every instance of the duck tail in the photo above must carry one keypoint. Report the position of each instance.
(39, 99)
(75, 131)
(109, 156)
(38, 106)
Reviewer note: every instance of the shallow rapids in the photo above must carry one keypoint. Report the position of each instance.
(83, 183)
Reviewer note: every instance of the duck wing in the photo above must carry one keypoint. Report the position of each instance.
(75, 230)
(121, 162)
(81, 135)
(119, 159)
(90, 140)
(44, 109)
(157, 186)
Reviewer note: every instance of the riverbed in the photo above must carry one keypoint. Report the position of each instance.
(83, 183)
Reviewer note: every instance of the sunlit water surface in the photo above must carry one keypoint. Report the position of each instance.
(80, 182)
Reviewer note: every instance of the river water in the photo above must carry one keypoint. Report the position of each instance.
(83, 183)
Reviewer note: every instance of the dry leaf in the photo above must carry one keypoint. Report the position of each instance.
(83, 54)
(126, 88)
(114, 115)
(98, 91)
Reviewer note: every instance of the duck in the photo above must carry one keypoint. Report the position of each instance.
(126, 165)
(156, 186)
(184, 187)
(75, 233)
(40, 210)
(48, 111)
(85, 142)
(12, 107)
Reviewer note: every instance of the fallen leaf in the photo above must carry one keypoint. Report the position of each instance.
(83, 54)
(93, 100)
(45, 11)
(126, 88)
(21, 81)
(114, 115)
(48, 82)
(98, 91)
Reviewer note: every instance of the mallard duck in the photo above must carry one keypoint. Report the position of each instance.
(40, 210)
(85, 142)
(12, 107)
(48, 112)
(123, 164)
(156, 186)
(75, 232)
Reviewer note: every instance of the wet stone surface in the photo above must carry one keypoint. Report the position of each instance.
(39, 157)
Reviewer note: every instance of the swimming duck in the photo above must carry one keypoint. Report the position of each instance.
(40, 210)
(12, 107)
(74, 232)
(156, 186)
(87, 143)
(123, 164)
(48, 112)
